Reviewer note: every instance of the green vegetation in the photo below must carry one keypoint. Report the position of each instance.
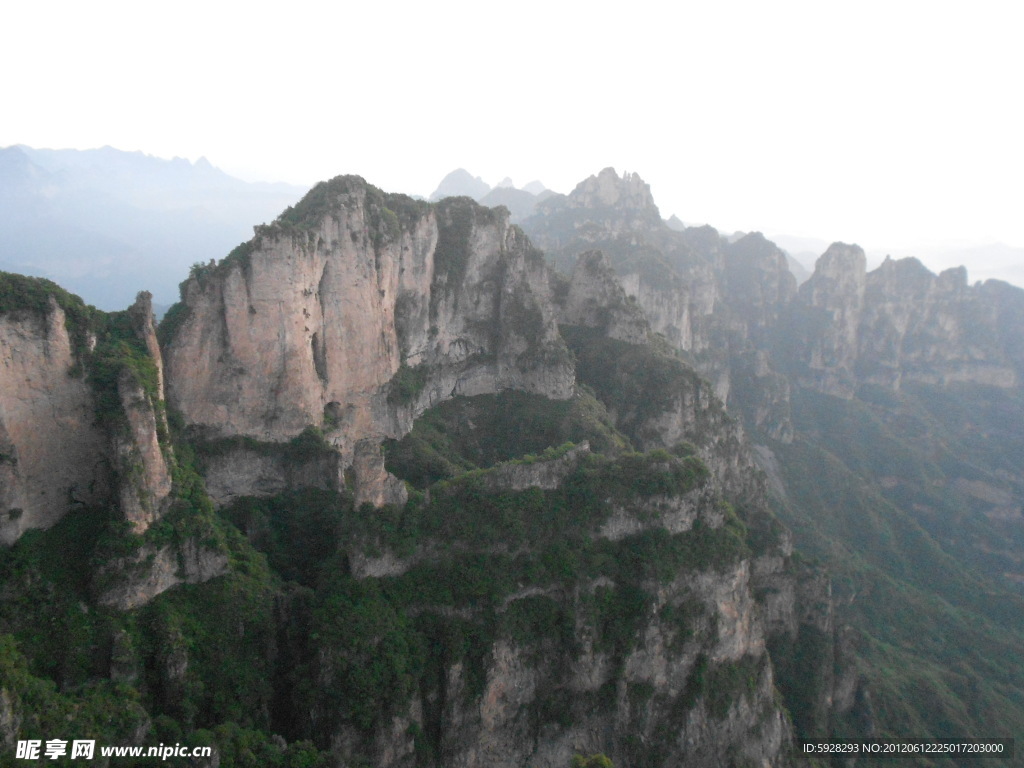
(599, 760)
(477, 432)
(502, 565)
(119, 353)
(387, 214)
(640, 383)
(32, 294)
(915, 559)
(406, 384)
(308, 445)
(172, 321)
(456, 219)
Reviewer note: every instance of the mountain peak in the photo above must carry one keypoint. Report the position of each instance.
(461, 183)
(842, 256)
(608, 190)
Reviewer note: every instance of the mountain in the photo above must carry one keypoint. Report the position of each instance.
(107, 223)
(879, 404)
(429, 504)
(460, 183)
(520, 202)
(384, 488)
(984, 261)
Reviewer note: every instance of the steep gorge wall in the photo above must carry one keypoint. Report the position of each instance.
(716, 299)
(352, 316)
(899, 323)
(650, 662)
(81, 416)
(51, 455)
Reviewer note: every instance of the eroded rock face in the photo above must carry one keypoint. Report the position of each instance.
(608, 190)
(595, 299)
(356, 317)
(712, 297)
(142, 460)
(152, 570)
(833, 298)
(695, 679)
(917, 326)
(626, 711)
(250, 472)
(899, 323)
(545, 475)
(52, 456)
(144, 478)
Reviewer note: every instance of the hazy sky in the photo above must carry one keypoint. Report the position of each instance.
(872, 122)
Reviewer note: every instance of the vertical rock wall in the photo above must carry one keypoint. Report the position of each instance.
(355, 316)
(51, 455)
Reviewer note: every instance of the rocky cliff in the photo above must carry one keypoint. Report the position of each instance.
(716, 299)
(900, 323)
(354, 312)
(880, 403)
(83, 428)
(51, 456)
(81, 410)
(633, 627)
(501, 600)
(142, 461)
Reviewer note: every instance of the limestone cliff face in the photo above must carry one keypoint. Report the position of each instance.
(142, 461)
(354, 316)
(650, 712)
(917, 326)
(594, 298)
(600, 208)
(57, 452)
(717, 300)
(137, 579)
(52, 457)
(832, 300)
(733, 306)
(758, 285)
(896, 324)
(696, 685)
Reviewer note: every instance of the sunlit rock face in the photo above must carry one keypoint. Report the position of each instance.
(51, 455)
(57, 454)
(353, 313)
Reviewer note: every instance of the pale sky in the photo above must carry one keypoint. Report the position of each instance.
(888, 123)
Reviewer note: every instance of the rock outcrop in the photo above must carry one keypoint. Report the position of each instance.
(691, 675)
(356, 311)
(150, 571)
(897, 324)
(52, 457)
(832, 301)
(143, 462)
(594, 298)
(81, 417)
(642, 630)
(715, 299)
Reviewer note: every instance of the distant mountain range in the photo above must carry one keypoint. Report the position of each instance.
(521, 203)
(107, 223)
